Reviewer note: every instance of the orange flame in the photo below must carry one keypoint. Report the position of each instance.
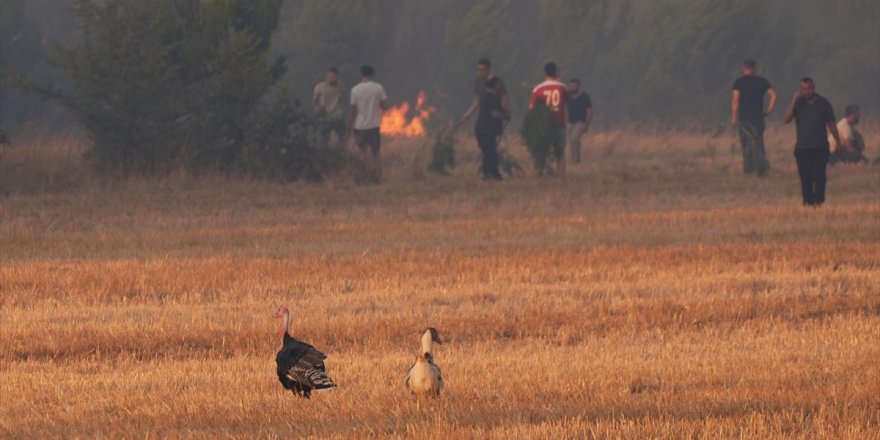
(395, 123)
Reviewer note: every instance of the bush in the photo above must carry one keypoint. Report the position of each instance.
(283, 143)
(442, 154)
(180, 83)
(540, 132)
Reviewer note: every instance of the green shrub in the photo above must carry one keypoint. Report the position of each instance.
(540, 132)
(181, 83)
(442, 154)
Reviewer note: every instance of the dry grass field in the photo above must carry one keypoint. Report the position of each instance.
(653, 293)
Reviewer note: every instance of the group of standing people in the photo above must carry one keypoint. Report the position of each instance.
(491, 102)
(367, 102)
(820, 140)
(570, 105)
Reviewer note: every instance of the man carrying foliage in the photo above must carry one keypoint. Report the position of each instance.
(553, 94)
(490, 98)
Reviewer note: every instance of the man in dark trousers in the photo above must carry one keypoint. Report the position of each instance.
(814, 118)
(579, 108)
(747, 112)
(489, 92)
(490, 123)
(554, 95)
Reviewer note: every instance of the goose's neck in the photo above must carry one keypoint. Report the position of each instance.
(285, 323)
(427, 343)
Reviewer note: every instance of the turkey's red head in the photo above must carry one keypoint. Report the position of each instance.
(282, 312)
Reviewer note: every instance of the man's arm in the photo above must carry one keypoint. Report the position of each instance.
(589, 119)
(473, 107)
(846, 141)
(773, 97)
(533, 99)
(734, 106)
(832, 127)
(342, 96)
(316, 96)
(383, 102)
(789, 112)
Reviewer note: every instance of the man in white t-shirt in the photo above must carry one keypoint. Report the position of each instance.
(368, 101)
(853, 144)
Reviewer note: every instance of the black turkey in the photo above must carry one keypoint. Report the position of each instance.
(300, 366)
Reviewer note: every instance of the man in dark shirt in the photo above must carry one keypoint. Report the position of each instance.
(486, 80)
(747, 110)
(813, 115)
(490, 123)
(580, 115)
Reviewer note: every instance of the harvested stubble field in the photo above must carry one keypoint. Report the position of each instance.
(655, 292)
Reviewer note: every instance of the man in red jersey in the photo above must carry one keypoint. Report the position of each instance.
(552, 92)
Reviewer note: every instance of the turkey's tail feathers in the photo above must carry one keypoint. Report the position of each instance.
(320, 381)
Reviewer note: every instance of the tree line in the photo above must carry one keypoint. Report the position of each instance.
(211, 83)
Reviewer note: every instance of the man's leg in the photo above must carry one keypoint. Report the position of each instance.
(338, 127)
(835, 158)
(820, 175)
(375, 147)
(803, 166)
(762, 166)
(747, 140)
(559, 149)
(575, 131)
(488, 144)
(858, 141)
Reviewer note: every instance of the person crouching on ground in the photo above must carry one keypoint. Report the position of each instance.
(852, 145)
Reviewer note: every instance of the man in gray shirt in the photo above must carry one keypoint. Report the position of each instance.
(327, 103)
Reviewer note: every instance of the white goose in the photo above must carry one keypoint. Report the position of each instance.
(424, 378)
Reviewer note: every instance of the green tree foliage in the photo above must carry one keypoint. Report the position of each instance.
(540, 132)
(179, 83)
(442, 154)
(320, 33)
(23, 42)
(641, 60)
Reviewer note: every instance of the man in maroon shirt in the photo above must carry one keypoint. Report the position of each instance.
(553, 93)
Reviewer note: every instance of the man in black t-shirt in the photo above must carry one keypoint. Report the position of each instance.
(490, 123)
(490, 97)
(747, 111)
(579, 109)
(814, 118)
